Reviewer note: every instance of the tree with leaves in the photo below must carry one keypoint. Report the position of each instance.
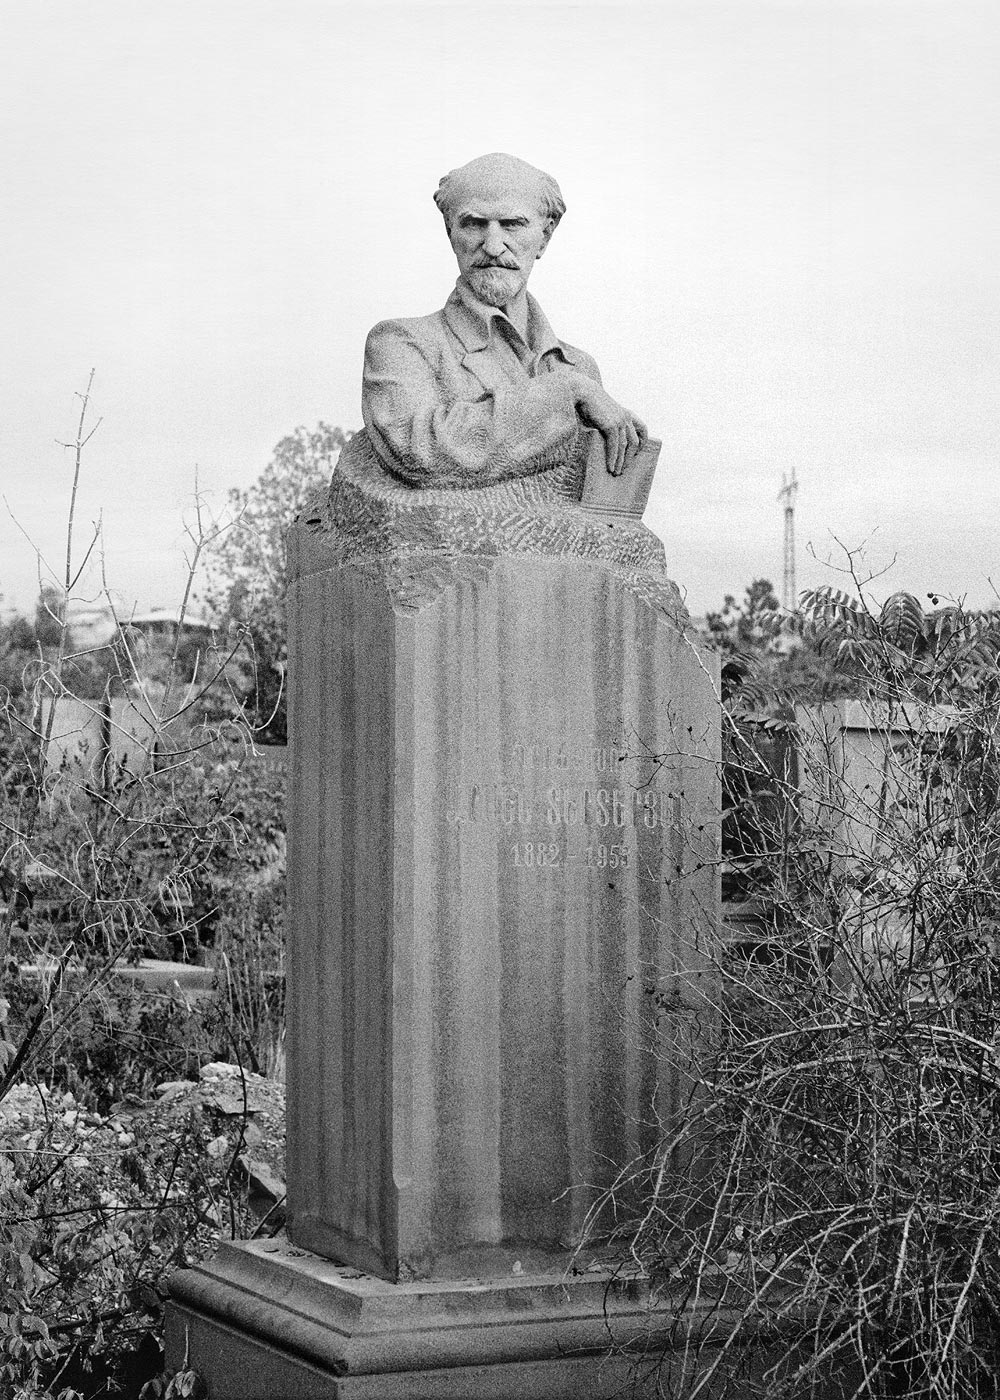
(769, 658)
(744, 627)
(897, 650)
(248, 570)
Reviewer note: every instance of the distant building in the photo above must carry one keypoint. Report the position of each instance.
(164, 622)
(91, 624)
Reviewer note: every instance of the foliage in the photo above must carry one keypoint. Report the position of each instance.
(249, 954)
(104, 856)
(248, 582)
(144, 865)
(898, 652)
(763, 655)
(95, 1209)
(18, 653)
(108, 1041)
(27, 644)
(744, 626)
(834, 1176)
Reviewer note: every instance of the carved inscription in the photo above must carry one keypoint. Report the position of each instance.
(608, 857)
(568, 806)
(565, 804)
(528, 854)
(537, 853)
(601, 758)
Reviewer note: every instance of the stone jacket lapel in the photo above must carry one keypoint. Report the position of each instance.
(472, 328)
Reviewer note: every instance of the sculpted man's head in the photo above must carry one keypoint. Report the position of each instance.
(500, 213)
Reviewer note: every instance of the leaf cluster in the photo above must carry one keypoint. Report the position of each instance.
(901, 652)
(248, 568)
(95, 1210)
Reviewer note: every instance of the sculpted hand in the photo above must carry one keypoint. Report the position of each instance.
(622, 431)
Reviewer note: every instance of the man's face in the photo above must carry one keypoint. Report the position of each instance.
(497, 236)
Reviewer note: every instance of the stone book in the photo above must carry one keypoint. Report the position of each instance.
(626, 494)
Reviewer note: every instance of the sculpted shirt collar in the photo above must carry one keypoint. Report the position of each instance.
(474, 322)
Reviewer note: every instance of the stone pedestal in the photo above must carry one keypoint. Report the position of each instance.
(501, 869)
(502, 882)
(265, 1321)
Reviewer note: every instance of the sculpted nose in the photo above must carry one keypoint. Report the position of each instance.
(493, 244)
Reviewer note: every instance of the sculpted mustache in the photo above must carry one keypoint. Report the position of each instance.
(506, 264)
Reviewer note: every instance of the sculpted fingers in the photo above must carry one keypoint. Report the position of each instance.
(616, 453)
(610, 437)
(623, 433)
(632, 440)
(610, 446)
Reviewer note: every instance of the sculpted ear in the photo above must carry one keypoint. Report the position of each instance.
(550, 228)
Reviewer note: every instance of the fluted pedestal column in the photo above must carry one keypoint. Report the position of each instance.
(503, 785)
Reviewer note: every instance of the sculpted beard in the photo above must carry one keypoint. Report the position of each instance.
(496, 286)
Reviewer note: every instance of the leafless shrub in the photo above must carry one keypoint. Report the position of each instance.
(127, 805)
(827, 1206)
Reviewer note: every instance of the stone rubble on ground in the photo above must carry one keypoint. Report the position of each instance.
(239, 1100)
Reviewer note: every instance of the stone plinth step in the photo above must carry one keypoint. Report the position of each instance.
(266, 1320)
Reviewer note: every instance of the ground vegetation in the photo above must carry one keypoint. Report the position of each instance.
(138, 826)
(823, 1213)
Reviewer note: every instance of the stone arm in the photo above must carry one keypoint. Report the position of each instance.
(431, 438)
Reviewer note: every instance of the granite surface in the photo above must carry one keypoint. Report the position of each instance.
(503, 787)
(417, 542)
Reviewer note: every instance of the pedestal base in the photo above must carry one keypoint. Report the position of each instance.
(265, 1320)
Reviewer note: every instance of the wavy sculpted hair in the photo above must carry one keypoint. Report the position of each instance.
(551, 204)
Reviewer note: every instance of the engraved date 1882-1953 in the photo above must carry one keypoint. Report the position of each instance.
(532, 855)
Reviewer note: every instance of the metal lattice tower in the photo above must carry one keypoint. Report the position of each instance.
(789, 488)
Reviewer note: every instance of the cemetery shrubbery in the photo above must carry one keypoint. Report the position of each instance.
(832, 1185)
(121, 1157)
(109, 1177)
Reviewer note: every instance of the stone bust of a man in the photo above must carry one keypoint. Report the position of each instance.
(482, 391)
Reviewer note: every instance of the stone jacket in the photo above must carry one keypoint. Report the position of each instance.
(460, 399)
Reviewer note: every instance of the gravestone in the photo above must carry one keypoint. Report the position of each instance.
(503, 851)
(503, 797)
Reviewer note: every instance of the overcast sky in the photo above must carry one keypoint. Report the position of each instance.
(781, 246)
